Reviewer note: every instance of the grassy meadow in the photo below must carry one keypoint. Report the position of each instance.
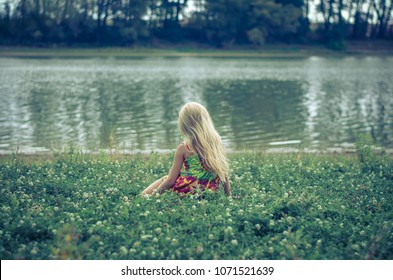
(274, 51)
(284, 206)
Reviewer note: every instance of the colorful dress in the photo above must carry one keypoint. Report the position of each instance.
(194, 176)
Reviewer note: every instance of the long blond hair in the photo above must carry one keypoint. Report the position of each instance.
(197, 126)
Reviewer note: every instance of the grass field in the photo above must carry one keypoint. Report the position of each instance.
(290, 206)
(146, 52)
(268, 51)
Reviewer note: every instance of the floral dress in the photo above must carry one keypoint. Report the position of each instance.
(194, 176)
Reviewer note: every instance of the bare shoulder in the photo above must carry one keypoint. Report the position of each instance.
(181, 150)
(186, 149)
(182, 146)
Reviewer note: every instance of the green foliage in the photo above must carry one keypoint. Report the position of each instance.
(253, 22)
(256, 36)
(220, 22)
(336, 45)
(298, 206)
(335, 38)
(371, 157)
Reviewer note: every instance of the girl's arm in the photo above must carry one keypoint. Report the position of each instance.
(227, 187)
(175, 170)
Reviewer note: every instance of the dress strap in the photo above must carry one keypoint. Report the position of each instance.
(188, 148)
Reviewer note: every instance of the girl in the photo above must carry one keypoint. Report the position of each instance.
(199, 161)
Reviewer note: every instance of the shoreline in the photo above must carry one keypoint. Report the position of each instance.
(338, 151)
(271, 51)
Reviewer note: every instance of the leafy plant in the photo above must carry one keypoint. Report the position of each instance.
(295, 206)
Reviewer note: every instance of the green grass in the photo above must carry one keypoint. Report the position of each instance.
(358, 48)
(284, 51)
(293, 206)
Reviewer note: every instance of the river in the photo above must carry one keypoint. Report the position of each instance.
(132, 104)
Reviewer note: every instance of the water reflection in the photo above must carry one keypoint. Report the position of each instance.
(342, 103)
(253, 113)
(133, 104)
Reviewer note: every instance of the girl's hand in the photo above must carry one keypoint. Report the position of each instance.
(154, 193)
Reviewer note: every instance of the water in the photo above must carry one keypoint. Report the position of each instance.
(132, 104)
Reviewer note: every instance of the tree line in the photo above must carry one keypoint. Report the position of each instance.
(213, 22)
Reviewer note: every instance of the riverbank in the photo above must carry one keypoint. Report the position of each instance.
(47, 154)
(336, 150)
(297, 206)
(133, 53)
(268, 51)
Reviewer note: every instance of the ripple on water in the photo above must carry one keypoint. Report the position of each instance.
(321, 102)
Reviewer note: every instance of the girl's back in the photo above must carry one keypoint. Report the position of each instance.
(194, 176)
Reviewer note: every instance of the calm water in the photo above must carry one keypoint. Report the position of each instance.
(133, 104)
